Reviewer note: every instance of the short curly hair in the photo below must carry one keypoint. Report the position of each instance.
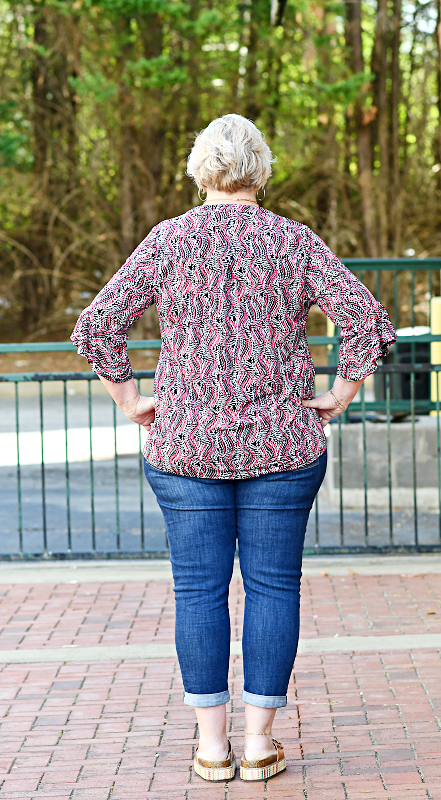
(230, 154)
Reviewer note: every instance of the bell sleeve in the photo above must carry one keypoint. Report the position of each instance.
(366, 329)
(101, 332)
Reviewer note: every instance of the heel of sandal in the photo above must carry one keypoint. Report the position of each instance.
(262, 773)
(265, 768)
(216, 770)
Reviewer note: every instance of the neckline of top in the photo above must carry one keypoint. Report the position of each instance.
(230, 203)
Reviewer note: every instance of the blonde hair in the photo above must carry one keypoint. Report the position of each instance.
(230, 154)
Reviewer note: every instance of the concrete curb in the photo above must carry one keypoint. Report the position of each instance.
(341, 644)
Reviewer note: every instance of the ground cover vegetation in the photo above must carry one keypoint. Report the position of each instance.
(100, 100)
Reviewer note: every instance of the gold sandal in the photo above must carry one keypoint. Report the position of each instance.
(264, 768)
(216, 770)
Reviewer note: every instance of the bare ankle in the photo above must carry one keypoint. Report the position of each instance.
(213, 748)
(258, 746)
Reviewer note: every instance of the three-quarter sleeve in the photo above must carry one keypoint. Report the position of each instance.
(366, 329)
(101, 331)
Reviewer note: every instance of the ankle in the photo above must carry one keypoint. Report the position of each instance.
(258, 745)
(213, 748)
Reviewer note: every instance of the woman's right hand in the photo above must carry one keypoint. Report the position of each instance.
(142, 411)
(326, 406)
(135, 406)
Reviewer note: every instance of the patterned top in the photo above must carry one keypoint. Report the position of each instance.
(233, 285)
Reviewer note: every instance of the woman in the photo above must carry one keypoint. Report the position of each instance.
(236, 448)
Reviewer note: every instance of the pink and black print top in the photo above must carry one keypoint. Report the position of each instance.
(233, 285)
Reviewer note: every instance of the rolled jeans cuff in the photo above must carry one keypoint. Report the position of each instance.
(263, 700)
(206, 700)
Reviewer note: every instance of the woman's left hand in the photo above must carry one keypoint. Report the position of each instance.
(327, 405)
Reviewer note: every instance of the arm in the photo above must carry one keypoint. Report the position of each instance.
(365, 326)
(102, 329)
(137, 408)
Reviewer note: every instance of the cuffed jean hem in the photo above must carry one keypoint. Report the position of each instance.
(206, 700)
(263, 700)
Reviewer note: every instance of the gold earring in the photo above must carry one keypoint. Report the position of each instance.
(199, 194)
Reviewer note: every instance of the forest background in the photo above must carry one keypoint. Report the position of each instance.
(100, 101)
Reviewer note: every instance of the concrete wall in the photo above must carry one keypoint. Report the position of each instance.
(426, 447)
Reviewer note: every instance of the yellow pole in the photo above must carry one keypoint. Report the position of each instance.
(435, 349)
(330, 330)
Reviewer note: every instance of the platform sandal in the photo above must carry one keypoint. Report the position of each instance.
(264, 768)
(216, 770)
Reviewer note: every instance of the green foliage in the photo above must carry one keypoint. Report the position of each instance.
(154, 73)
(94, 86)
(101, 100)
(345, 91)
(14, 150)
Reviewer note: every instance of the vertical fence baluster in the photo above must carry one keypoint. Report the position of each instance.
(316, 510)
(396, 378)
(430, 292)
(69, 530)
(43, 475)
(412, 298)
(340, 470)
(141, 482)
(91, 472)
(389, 461)
(317, 527)
(117, 520)
(414, 470)
(365, 491)
(19, 497)
(378, 378)
(412, 314)
(438, 450)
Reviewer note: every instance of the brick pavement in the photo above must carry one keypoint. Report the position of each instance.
(57, 615)
(357, 725)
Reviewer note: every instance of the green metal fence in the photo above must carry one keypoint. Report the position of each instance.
(102, 506)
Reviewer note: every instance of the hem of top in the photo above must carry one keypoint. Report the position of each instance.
(238, 476)
(263, 700)
(361, 377)
(206, 700)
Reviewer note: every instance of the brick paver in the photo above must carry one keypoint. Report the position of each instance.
(358, 726)
(57, 615)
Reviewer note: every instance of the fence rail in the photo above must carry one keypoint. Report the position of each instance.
(72, 473)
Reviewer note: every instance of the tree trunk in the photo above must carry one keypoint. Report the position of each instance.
(40, 90)
(438, 42)
(362, 127)
(150, 143)
(379, 68)
(395, 196)
(127, 200)
(251, 104)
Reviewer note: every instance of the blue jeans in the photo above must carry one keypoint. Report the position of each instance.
(204, 517)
